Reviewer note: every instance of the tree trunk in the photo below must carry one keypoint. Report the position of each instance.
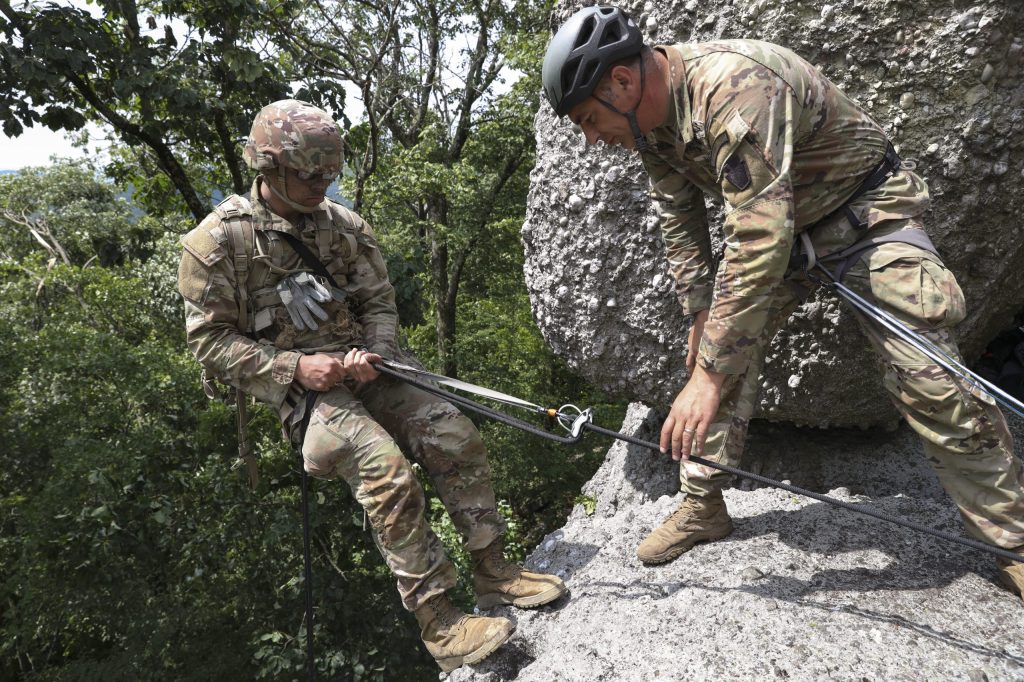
(444, 316)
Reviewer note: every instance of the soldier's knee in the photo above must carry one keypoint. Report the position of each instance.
(927, 389)
(337, 442)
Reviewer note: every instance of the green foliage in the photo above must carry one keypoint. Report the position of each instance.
(130, 546)
(176, 102)
(500, 347)
(130, 549)
(589, 503)
(75, 213)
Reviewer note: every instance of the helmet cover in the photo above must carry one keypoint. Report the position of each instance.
(294, 134)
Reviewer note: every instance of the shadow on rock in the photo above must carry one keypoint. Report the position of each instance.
(915, 561)
(506, 662)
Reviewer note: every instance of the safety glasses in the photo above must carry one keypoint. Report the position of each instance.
(308, 176)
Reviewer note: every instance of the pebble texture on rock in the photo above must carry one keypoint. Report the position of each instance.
(800, 591)
(944, 79)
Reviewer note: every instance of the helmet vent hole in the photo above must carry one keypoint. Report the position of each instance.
(586, 30)
(589, 72)
(569, 72)
(612, 34)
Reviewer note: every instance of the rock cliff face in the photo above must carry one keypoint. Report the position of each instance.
(942, 77)
(801, 590)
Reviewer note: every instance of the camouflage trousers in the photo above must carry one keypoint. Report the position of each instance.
(964, 434)
(361, 434)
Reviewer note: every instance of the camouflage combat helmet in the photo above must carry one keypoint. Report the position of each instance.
(582, 50)
(296, 135)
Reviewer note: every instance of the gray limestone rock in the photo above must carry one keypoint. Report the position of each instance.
(801, 590)
(946, 84)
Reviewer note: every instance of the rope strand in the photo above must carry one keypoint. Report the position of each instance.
(529, 428)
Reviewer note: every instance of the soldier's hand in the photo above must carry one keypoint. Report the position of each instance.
(693, 343)
(693, 411)
(320, 371)
(357, 364)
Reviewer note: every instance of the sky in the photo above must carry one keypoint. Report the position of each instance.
(36, 147)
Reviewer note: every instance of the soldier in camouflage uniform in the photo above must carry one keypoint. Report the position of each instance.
(259, 320)
(793, 159)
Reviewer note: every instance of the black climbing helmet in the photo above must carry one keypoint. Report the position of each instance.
(582, 50)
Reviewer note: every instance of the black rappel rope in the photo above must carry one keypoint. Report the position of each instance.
(530, 428)
(307, 558)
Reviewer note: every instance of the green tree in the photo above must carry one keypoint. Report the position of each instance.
(446, 144)
(178, 103)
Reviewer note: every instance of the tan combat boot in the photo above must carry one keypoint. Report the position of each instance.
(497, 581)
(1011, 574)
(698, 519)
(455, 638)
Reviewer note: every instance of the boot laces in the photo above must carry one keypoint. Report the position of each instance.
(690, 507)
(494, 559)
(444, 611)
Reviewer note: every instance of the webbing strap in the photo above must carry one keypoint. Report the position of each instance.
(307, 557)
(307, 257)
(808, 250)
(240, 258)
(885, 169)
(323, 235)
(245, 449)
(847, 257)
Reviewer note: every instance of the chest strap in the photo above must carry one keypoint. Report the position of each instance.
(307, 257)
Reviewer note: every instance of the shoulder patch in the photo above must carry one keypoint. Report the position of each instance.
(736, 171)
(202, 243)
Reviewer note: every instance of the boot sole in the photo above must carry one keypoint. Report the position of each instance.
(453, 662)
(489, 601)
(674, 552)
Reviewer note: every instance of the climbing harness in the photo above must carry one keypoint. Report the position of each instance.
(920, 343)
(804, 258)
(578, 421)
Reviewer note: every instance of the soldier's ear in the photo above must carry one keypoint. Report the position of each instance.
(623, 77)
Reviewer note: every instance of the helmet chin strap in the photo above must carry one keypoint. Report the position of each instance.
(639, 141)
(283, 195)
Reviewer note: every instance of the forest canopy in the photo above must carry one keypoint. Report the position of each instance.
(131, 546)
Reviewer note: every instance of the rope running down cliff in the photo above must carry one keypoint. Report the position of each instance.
(582, 421)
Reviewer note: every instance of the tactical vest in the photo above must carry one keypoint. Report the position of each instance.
(253, 253)
(252, 256)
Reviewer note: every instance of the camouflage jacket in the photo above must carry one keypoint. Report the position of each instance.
(260, 358)
(760, 128)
